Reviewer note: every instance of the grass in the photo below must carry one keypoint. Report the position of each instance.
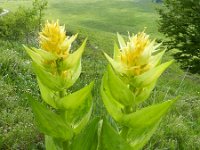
(99, 20)
(17, 129)
(1, 10)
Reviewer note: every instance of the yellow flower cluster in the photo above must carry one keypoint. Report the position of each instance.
(136, 56)
(132, 54)
(53, 39)
(54, 55)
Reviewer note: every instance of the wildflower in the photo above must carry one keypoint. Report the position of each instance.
(136, 56)
(53, 39)
(54, 59)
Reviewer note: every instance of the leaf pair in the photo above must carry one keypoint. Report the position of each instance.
(50, 123)
(77, 107)
(99, 135)
(55, 125)
(141, 124)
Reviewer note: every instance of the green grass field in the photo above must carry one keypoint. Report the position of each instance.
(99, 20)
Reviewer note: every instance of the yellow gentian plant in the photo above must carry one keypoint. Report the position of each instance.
(127, 82)
(57, 69)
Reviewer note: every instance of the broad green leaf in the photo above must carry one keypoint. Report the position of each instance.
(53, 144)
(144, 93)
(78, 107)
(73, 58)
(116, 55)
(84, 120)
(155, 59)
(48, 56)
(76, 99)
(116, 65)
(121, 41)
(75, 72)
(113, 107)
(88, 138)
(78, 118)
(144, 122)
(50, 123)
(119, 89)
(150, 76)
(51, 81)
(111, 140)
(34, 56)
(47, 94)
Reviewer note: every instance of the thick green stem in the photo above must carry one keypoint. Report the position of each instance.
(125, 129)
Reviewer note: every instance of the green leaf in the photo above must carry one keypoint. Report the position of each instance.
(119, 89)
(34, 56)
(111, 140)
(78, 107)
(47, 94)
(113, 107)
(116, 65)
(50, 123)
(75, 72)
(76, 99)
(155, 59)
(144, 93)
(47, 56)
(78, 118)
(116, 55)
(150, 76)
(88, 138)
(121, 41)
(144, 122)
(74, 58)
(53, 82)
(78, 126)
(53, 144)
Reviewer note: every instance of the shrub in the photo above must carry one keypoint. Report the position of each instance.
(179, 21)
(23, 24)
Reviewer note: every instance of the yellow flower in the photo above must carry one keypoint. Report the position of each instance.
(53, 39)
(136, 56)
(54, 63)
(133, 52)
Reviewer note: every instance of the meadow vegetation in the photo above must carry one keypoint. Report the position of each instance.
(99, 20)
(1, 10)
